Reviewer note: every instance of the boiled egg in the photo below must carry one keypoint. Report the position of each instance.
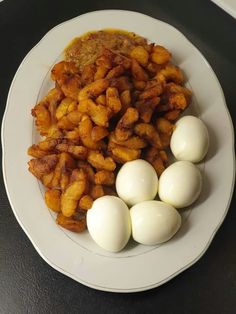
(108, 223)
(180, 184)
(190, 139)
(136, 182)
(154, 222)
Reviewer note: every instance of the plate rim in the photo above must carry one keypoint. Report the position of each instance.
(147, 287)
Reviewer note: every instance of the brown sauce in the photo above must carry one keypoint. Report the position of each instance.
(85, 49)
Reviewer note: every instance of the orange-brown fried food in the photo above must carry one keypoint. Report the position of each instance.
(98, 133)
(96, 191)
(98, 113)
(140, 54)
(53, 200)
(88, 73)
(105, 177)
(85, 129)
(170, 73)
(138, 72)
(113, 100)
(148, 133)
(72, 194)
(157, 158)
(146, 108)
(66, 105)
(86, 202)
(123, 154)
(45, 111)
(66, 162)
(160, 55)
(71, 223)
(134, 142)
(41, 166)
(87, 169)
(124, 128)
(94, 89)
(78, 152)
(98, 161)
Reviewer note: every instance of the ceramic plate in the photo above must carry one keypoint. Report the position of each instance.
(137, 267)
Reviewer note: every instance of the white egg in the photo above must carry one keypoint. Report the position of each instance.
(190, 139)
(180, 184)
(136, 182)
(109, 223)
(154, 222)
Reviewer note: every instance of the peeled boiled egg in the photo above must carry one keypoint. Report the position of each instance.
(108, 223)
(136, 182)
(180, 184)
(154, 222)
(190, 139)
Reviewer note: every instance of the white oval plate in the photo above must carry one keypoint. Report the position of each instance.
(137, 267)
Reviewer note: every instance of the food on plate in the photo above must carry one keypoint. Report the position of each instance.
(109, 223)
(116, 99)
(190, 139)
(136, 182)
(154, 222)
(180, 184)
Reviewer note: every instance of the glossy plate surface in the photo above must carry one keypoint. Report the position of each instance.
(137, 267)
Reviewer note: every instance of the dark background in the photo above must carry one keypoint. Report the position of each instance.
(27, 283)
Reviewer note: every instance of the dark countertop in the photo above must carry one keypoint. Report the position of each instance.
(27, 283)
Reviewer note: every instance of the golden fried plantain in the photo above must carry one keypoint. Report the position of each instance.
(53, 200)
(124, 128)
(149, 133)
(41, 166)
(70, 223)
(104, 177)
(98, 161)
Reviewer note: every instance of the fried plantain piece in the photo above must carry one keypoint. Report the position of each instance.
(123, 154)
(153, 91)
(62, 70)
(85, 129)
(148, 133)
(170, 73)
(36, 152)
(140, 54)
(71, 223)
(53, 200)
(72, 194)
(124, 128)
(94, 89)
(98, 161)
(160, 55)
(122, 83)
(86, 202)
(44, 112)
(66, 105)
(98, 113)
(115, 72)
(164, 126)
(70, 121)
(98, 133)
(78, 152)
(87, 169)
(157, 158)
(104, 64)
(113, 100)
(87, 76)
(96, 191)
(146, 108)
(65, 162)
(133, 142)
(104, 177)
(125, 98)
(41, 166)
(172, 115)
(138, 72)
